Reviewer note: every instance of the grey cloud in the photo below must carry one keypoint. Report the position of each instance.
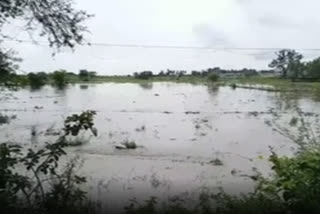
(263, 55)
(276, 21)
(210, 36)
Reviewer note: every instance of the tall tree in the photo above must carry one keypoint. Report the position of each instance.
(56, 19)
(7, 64)
(285, 60)
(313, 69)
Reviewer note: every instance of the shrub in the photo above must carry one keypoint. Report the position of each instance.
(37, 80)
(213, 77)
(59, 78)
(293, 188)
(145, 75)
(296, 181)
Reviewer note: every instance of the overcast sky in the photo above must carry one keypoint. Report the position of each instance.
(203, 23)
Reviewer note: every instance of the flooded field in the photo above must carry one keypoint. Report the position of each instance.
(188, 137)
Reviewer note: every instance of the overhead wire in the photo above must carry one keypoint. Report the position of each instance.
(152, 46)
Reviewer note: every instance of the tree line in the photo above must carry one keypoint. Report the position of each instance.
(200, 73)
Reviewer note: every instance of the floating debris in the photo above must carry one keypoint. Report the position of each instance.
(4, 119)
(167, 112)
(192, 112)
(142, 128)
(77, 142)
(33, 131)
(253, 113)
(127, 145)
(38, 107)
(216, 162)
(234, 172)
(157, 95)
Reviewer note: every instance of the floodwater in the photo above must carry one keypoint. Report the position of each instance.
(189, 137)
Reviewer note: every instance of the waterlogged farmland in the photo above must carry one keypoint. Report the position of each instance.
(183, 137)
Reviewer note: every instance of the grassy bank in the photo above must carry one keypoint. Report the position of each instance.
(277, 83)
(270, 83)
(130, 79)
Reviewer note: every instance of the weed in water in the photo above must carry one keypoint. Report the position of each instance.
(4, 119)
(127, 145)
(216, 162)
(293, 121)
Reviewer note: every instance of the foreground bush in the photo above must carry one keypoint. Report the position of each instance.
(294, 188)
(30, 182)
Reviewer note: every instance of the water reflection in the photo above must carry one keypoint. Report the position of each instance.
(213, 90)
(84, 87)
(61, 91)
(146, 86)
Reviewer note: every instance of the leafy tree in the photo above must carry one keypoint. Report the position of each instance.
(92, 74)
(313, 69)
(285, 60)
(7, 64)
(181, 73)
(60, 78)
(84, 75)
(296, 70)
(36, 80)
(161, 73)
(56, 19)
(195, 73)
(143, 75)
(170, 72)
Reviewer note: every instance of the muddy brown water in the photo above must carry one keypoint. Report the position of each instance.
(189, 137)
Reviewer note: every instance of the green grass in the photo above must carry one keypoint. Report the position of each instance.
(130, 79)
(278, 83)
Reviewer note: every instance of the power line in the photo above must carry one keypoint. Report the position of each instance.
(124, 45)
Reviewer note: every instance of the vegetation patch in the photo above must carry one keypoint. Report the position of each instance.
(4, 119)
(45, 188)
(216, 162)
(127, 145)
